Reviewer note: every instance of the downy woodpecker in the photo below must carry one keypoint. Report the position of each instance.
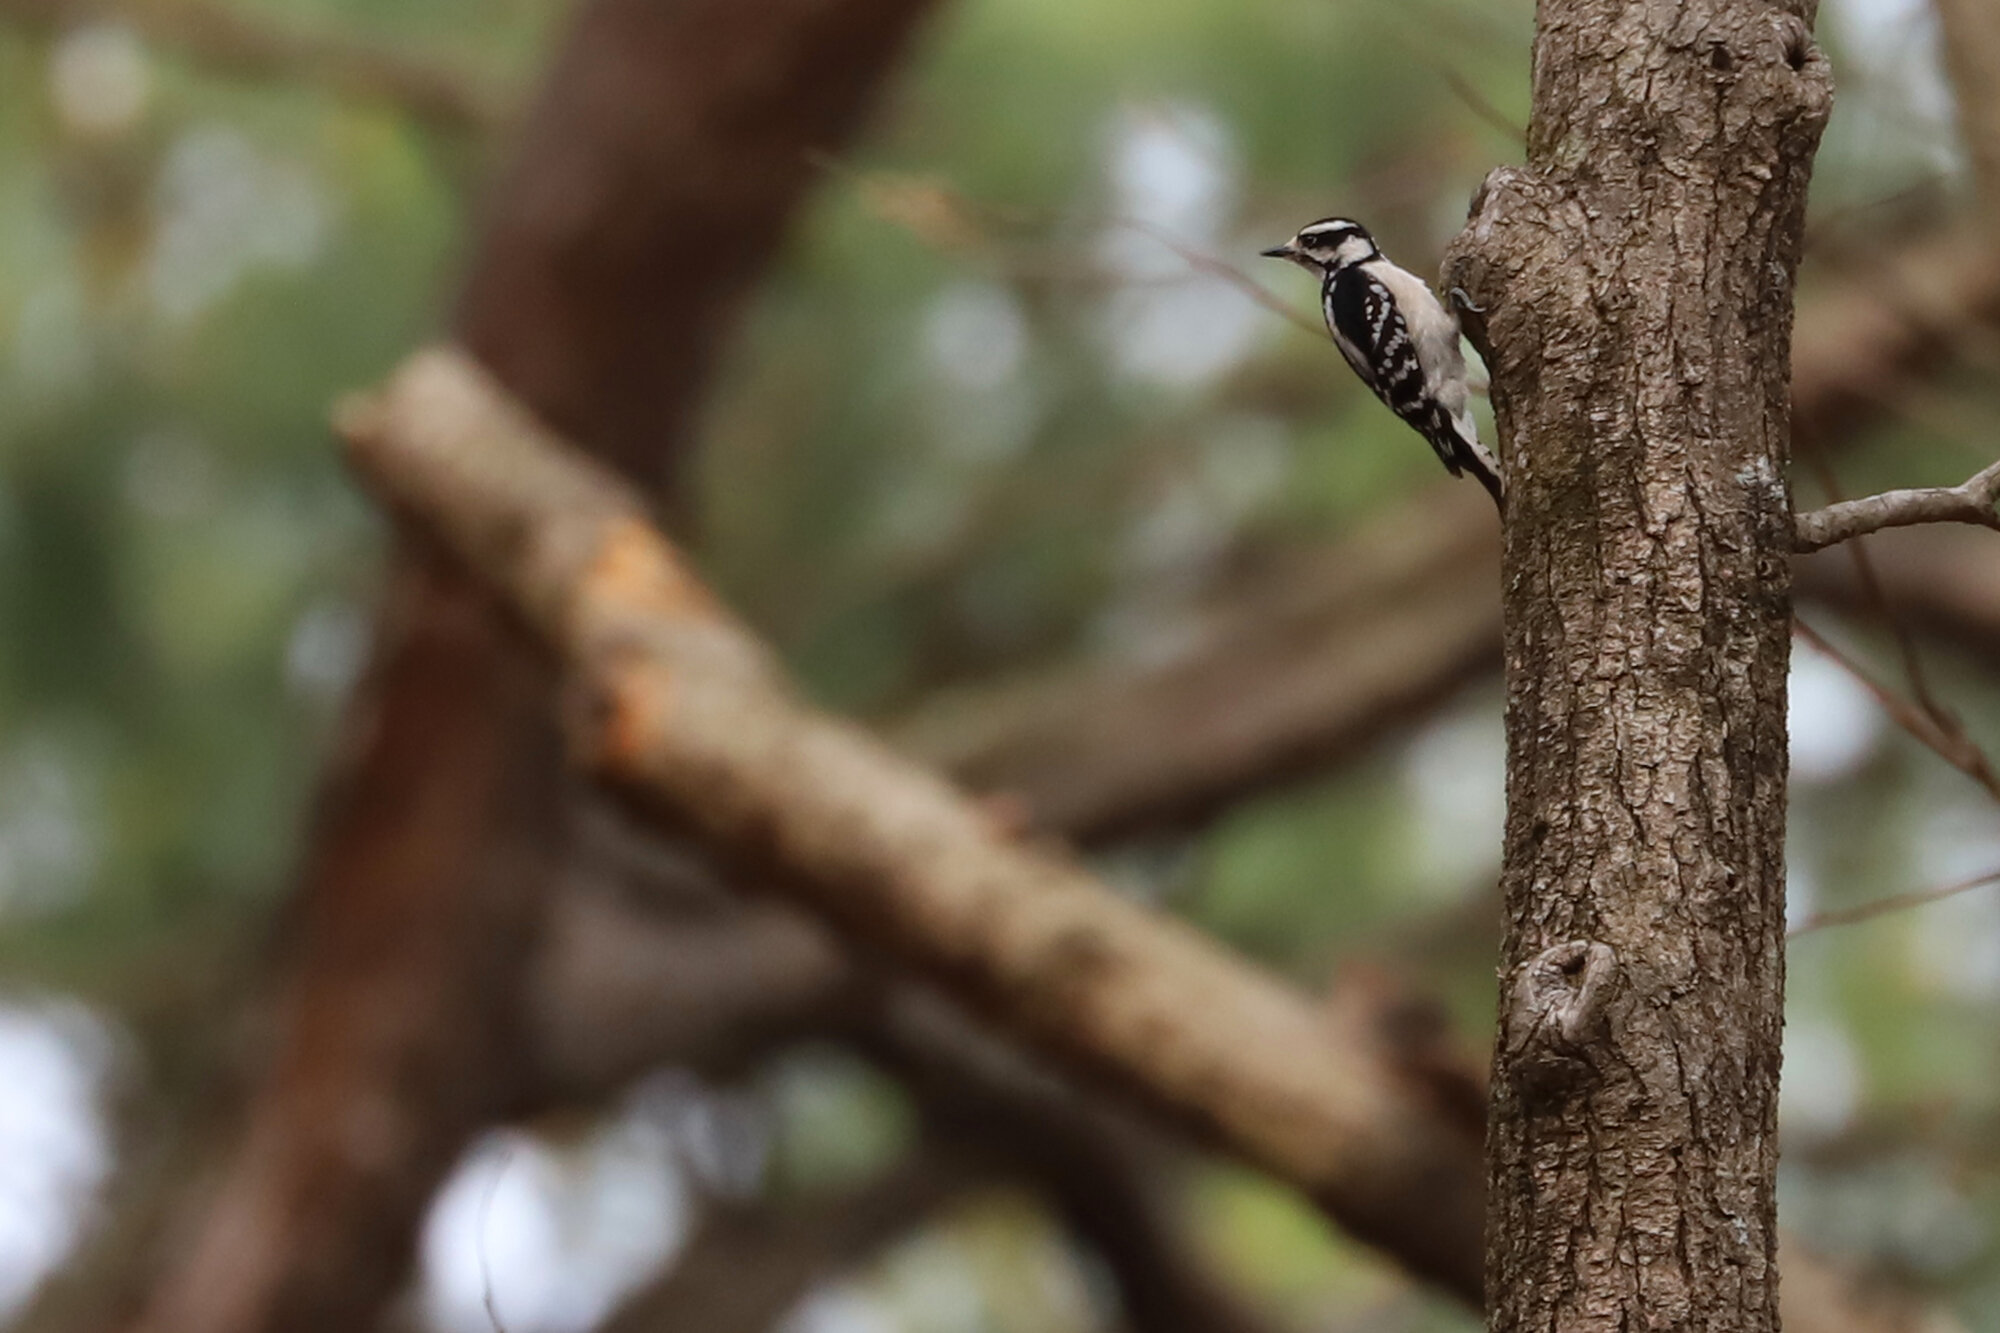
(1399, 338)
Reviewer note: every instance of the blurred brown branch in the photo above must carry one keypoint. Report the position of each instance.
(1940, 734)
(976, 1094)
(1887, 325)
(1293, 665)
(655, 177)
(989, 1119)
(235, 40)
(649, 959)
(690, 720)
(1944, 581)
(604, 319)
(1929, 725)
(619, 988)
(1108, 1177)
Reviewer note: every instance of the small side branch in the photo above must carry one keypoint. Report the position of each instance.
(1930, 726)
(1971, 502)
(1900, 902)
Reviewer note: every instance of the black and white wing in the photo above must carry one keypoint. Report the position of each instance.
(1368, 328)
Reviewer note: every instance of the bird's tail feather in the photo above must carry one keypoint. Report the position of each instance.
(1486, 470)
(1456, 440)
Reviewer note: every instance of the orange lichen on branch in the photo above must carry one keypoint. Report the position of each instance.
(638, 573)
(626, 720)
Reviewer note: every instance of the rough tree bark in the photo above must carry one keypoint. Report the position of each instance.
(1636, 283)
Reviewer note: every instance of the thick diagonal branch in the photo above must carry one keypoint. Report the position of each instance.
(689, 719)
(1969, 502)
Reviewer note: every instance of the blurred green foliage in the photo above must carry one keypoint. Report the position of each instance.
(983, 417)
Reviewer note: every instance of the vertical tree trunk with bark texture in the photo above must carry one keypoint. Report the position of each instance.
(1636, 281)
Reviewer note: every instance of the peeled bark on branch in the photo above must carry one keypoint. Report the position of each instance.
(1636, 278)
(689, 719)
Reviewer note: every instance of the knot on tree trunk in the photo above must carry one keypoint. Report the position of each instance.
(1556, 1014)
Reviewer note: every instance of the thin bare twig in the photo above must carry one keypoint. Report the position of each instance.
(1950, 743)
(1899, 902)
(1217, 267)
(1945, 733)
(1477, 103)
(1870, 580)
(945, 219)
(1969, 502)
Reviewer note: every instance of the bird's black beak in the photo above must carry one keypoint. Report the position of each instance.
(1284, 251)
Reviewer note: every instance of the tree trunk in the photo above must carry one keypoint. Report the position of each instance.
(1636, 284)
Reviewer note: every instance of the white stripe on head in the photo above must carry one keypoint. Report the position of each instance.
(1336, 243)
